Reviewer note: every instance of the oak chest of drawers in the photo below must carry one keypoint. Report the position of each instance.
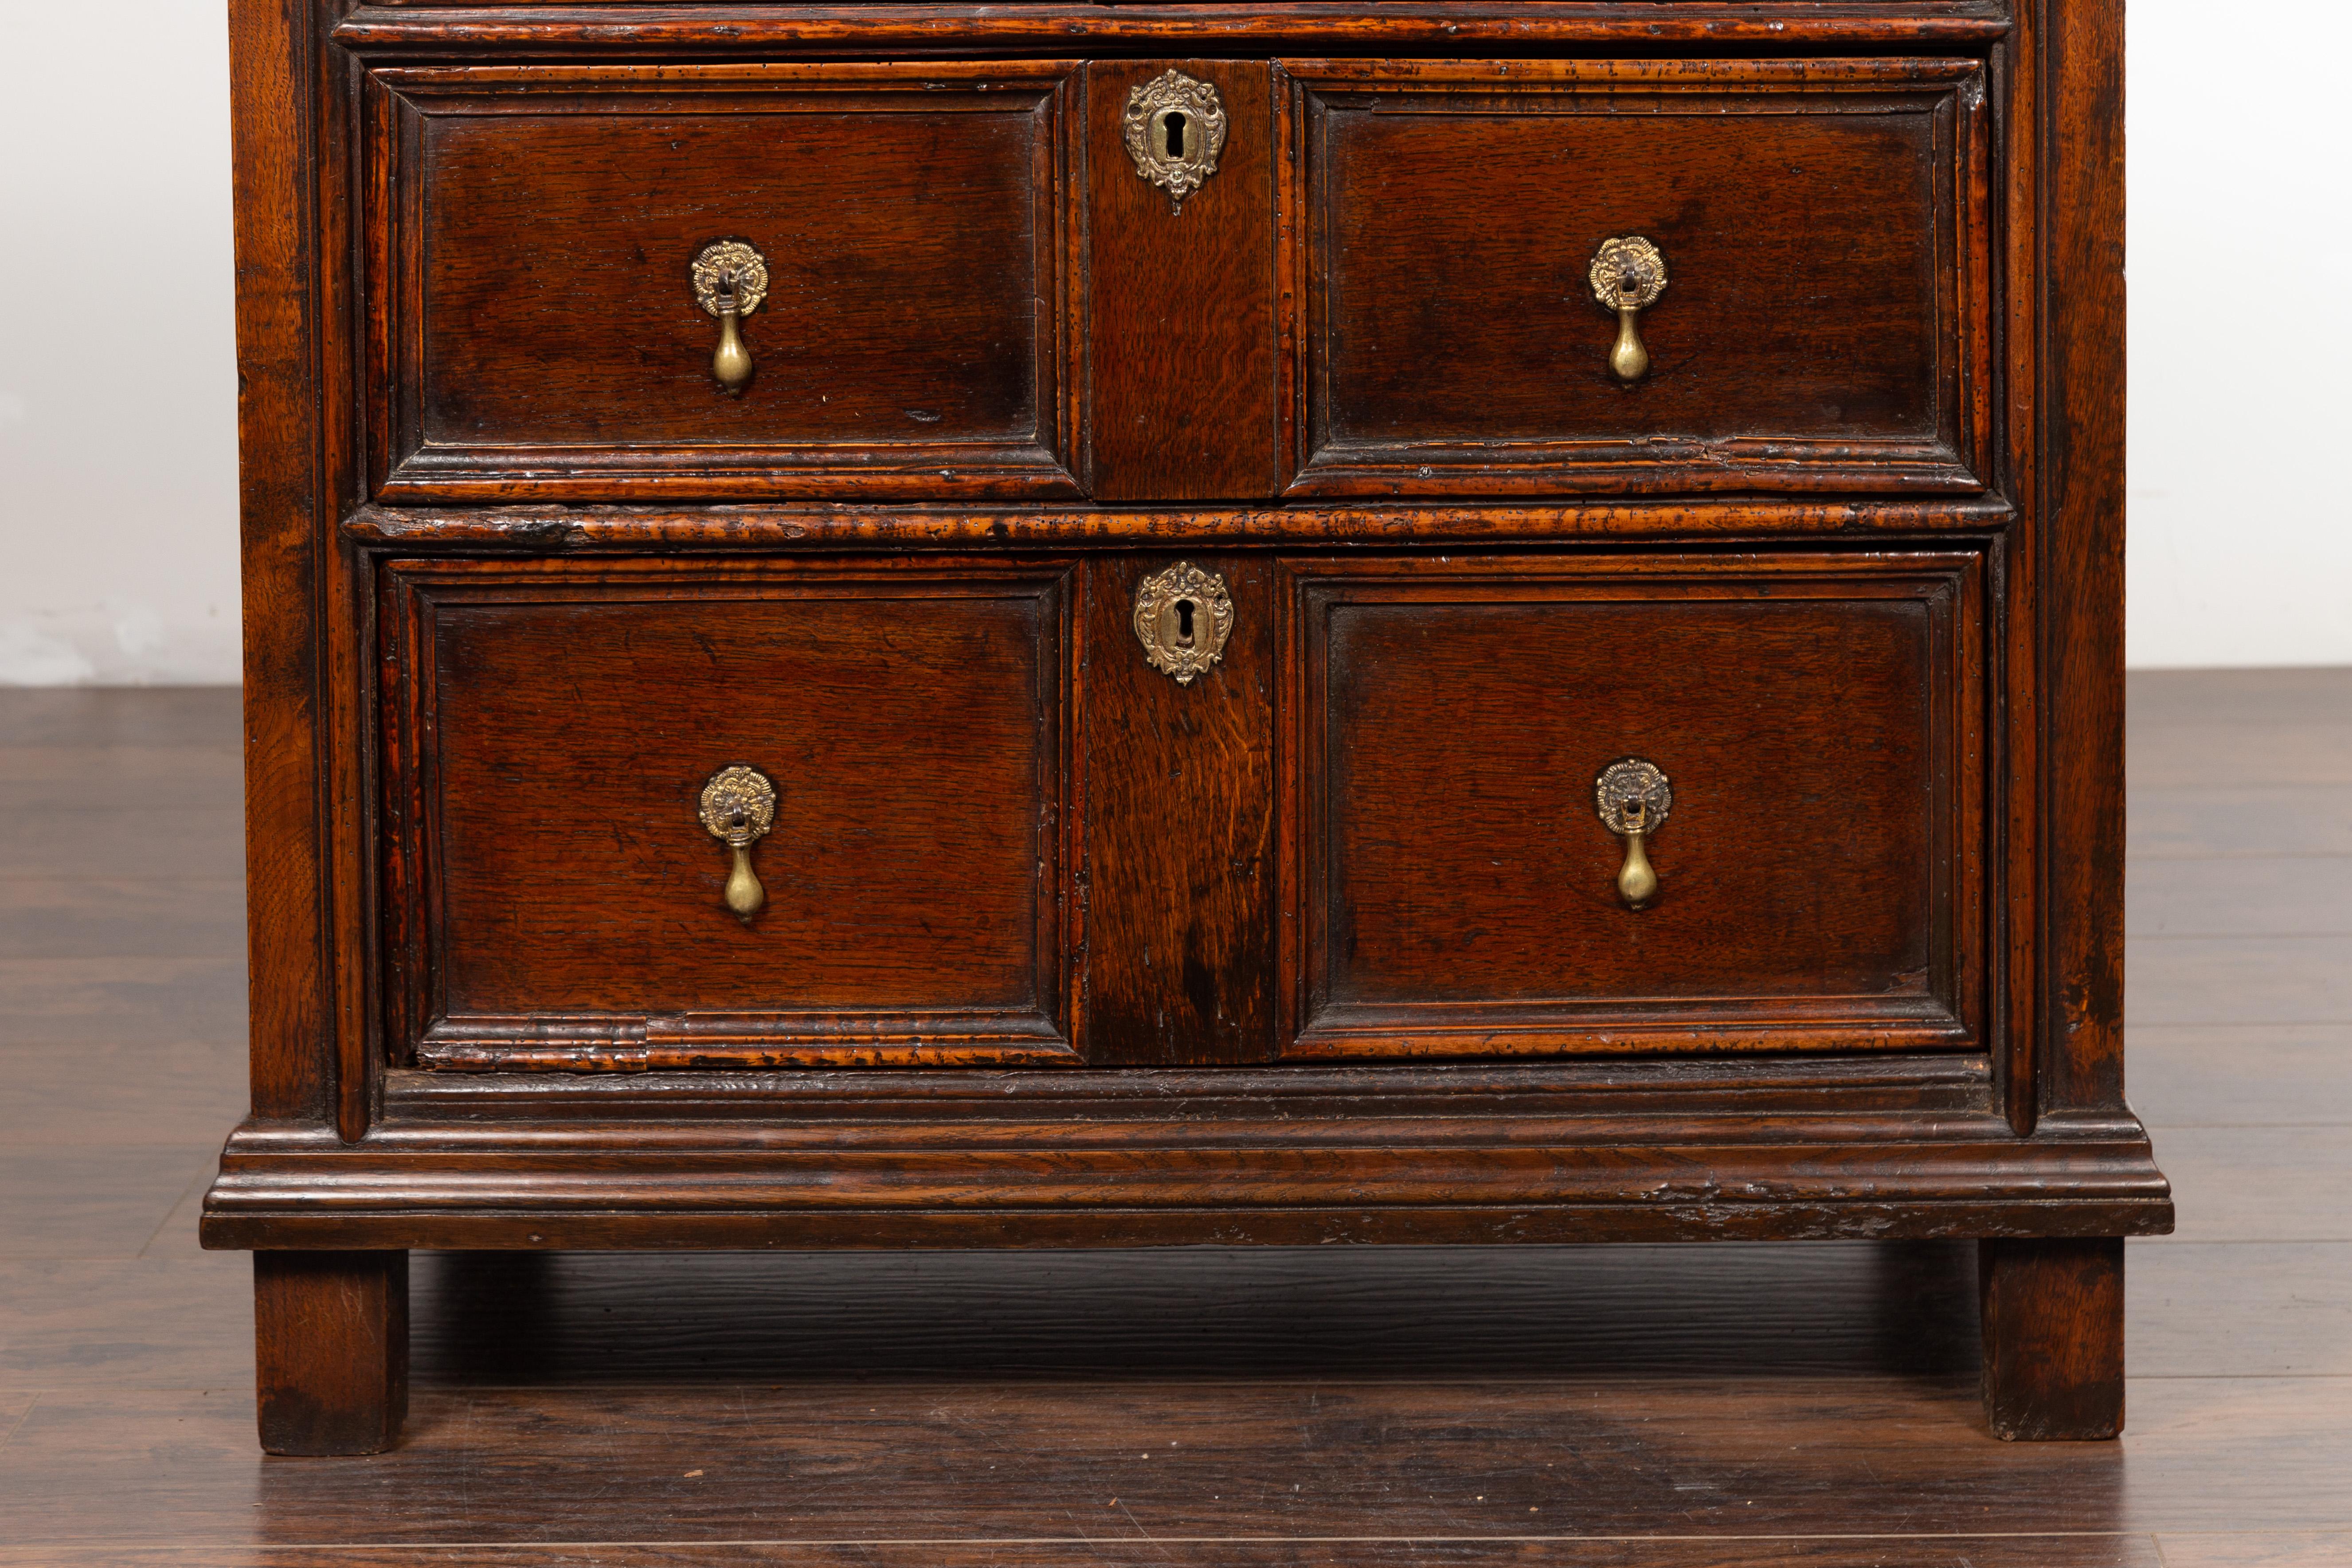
(1056, 625)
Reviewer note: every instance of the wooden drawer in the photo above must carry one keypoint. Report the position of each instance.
(1824, 323)
(1452, 890)
(553, 897)
(531, 232)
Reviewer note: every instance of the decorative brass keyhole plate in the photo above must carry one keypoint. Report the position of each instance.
(1175, 129)
(738, 807)
(1182, 617)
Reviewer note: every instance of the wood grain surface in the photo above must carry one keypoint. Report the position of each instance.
(1180, 873)
(1409, 24)
(1823, 326)
(536, 328)
(1181, 303)
(330, 1351)
(1817, 875)
(558, 891)
(846, 1408)
(1959, 1551)
(1553, 1552)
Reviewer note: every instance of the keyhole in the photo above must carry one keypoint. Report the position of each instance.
(1185, 623)
(1175, 124)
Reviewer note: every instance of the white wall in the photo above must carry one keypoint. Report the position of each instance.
(118, 505)
(2241, 269)
(118, 375)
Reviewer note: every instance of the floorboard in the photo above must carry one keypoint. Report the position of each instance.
(1352, 1551)
(2207, 1075)
(2195, 822)
(2274, 1549)
(2240, 980)
(2269, 895)
(113, 717)
(142, 917)
(2277, 1184)
(1637, 1408)
(70, 1002)
(1202, 1457)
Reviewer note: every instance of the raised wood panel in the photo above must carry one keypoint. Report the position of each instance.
(552, 899)
(1826, 321)
(1451, 889)
(536, 333)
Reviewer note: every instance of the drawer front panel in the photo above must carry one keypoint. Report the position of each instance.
(1823, 320)
(556, 899)
(540, 333)
(1453, 890)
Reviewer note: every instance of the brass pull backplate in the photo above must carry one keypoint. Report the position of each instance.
(1633, 798)
(1182, 617)
(738, 807)
(1175, 129)
(731, 279)
(1628, 276)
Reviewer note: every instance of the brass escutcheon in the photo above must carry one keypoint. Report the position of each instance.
(1175, 128)
(1628, 276)
(1182, 617)
(731, 279)
(738, 807)
(1633, 798)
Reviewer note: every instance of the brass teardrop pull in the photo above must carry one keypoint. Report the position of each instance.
(1633, 798)
(1628, 276)
(731, 279)
(730, 365)
(1637, 880)
(738, 807)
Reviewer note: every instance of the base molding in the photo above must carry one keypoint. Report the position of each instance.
(1797, 1150)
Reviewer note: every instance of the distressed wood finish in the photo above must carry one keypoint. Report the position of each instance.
(1178, 830)
(1290, 1156)
(537, 333)
(2079, 301)
(331, 1350)
(556, 899)
(1825, 325)
(558, 531)
(1451, 888)
(2053, 1315)
(1056, 943)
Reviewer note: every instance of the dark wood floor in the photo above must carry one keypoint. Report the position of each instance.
(1635, 1408)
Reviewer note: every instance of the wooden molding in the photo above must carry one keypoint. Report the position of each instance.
(1135, 1156)
(409, 27)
